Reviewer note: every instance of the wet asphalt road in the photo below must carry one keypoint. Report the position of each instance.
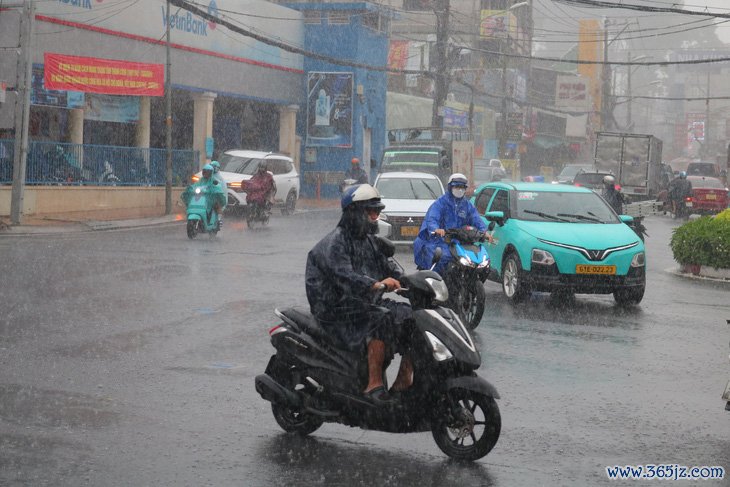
(128, 358)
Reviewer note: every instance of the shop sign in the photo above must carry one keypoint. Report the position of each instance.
(329, 109)
(106, 76)
(398, 54)
(39, 95)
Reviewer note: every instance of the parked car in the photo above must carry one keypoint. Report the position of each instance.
(569, 171)
(407, 197)
(699, 168)
(709, 195)
(240, 165)
(487, 171)
(592, 180)
(560, 239)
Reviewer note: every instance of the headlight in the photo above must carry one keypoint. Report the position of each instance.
(440, 291)
(440, 351)
(544, 257)
(197, 190)
(465, 262)
(639, 260)
(484, 263)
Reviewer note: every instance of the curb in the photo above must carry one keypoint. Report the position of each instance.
(701, 272)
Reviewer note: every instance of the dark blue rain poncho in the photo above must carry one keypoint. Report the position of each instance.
(341, 270)
(446, 212)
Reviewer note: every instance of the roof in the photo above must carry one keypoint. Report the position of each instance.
(407, 175)
(545, 187)
(255, 154)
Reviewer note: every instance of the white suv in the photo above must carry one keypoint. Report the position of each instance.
(241, 165)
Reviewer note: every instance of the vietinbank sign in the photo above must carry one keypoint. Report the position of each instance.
(148, 20)
(187, 22)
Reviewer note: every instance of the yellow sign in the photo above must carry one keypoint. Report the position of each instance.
(497, 24)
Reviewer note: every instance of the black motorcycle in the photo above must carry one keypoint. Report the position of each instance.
(310, 380)
(258, 213)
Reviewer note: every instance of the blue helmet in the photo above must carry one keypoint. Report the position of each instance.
(362, 195)
(682, 175)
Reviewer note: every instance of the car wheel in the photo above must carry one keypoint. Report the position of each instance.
(290, 204)
(512, 279)
(629, 296)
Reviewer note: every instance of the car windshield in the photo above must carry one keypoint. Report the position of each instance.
(409, 188)
(410, 158)
(482, 173)
(240, 165)
(589, 178)
(706, 183)
(558, 206)
(570, 171)
(701, 169)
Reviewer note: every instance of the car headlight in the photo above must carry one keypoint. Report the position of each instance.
(440, 291)
(440, 351)
(543, 257)
(639, 260)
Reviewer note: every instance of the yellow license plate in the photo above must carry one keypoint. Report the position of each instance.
(710, 196)
(409, 231)
(595, 269)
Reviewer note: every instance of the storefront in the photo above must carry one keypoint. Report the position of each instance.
(229, 88)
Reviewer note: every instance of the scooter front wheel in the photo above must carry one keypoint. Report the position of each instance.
(192, 228)
(293, 420)
(470, 428)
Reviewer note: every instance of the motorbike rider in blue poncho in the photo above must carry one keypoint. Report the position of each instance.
(343, 274)
(451, 210)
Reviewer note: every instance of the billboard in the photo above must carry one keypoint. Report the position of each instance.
(329, 109)
(571, 92)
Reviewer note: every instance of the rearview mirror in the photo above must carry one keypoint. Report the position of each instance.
(437, 255)
(626, 218)
(495, 217)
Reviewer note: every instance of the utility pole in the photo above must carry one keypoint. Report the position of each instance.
(706, 145)
(22, 112)
(168, 119)
(502, 145)
(442, 74)
(605, 78)
(628, 82)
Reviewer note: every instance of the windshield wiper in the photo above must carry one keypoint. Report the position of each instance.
(429, 189)
(581, 217)
(547, 216)
(413, 190)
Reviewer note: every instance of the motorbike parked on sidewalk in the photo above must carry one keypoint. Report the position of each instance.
(309, 381)
(466, 273)
(200, 217)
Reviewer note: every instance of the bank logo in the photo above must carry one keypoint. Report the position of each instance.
(212, 10)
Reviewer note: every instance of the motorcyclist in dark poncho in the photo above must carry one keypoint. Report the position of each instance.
(344, 272)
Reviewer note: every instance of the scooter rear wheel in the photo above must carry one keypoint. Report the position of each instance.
(295, 421)
(471, 428)
(192, 228)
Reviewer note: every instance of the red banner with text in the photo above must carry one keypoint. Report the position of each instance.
(108, 76)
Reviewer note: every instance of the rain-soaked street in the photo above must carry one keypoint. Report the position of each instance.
(128, 358)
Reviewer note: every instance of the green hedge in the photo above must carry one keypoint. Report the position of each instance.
(705, 241)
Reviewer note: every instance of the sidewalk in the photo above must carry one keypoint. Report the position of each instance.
(115, 220)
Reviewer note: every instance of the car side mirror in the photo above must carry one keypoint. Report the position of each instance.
(495, 217)
(626, 218)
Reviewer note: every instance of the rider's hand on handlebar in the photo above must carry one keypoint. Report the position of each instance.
(389, 283)
(440, 232)
(488, 237)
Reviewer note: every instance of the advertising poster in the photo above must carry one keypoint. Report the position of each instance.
(109, 108)
(329, 109)
(39, 95)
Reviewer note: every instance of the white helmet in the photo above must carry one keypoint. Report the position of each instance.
(458, 179)
(608, 179)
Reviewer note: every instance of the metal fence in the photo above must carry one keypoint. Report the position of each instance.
(62, 163)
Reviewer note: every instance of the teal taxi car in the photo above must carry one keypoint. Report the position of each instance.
(560, 239)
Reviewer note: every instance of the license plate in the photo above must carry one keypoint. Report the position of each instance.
(595, 269)
(688, 204)
(409, 231)
(711, 196)
(726, 394)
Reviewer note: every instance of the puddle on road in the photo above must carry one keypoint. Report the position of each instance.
(48, 408)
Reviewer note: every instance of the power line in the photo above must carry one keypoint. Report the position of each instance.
(643, 8)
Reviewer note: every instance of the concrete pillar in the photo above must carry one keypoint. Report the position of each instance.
(288, 132)
(76, 131)
(142, 130)
(202, 122)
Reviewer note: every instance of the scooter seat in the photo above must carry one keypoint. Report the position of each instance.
(307, 322)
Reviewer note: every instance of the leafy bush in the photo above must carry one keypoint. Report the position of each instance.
(705, 241)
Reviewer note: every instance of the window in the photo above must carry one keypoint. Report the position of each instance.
(278, 166)
(500, 202)
(483, 200)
